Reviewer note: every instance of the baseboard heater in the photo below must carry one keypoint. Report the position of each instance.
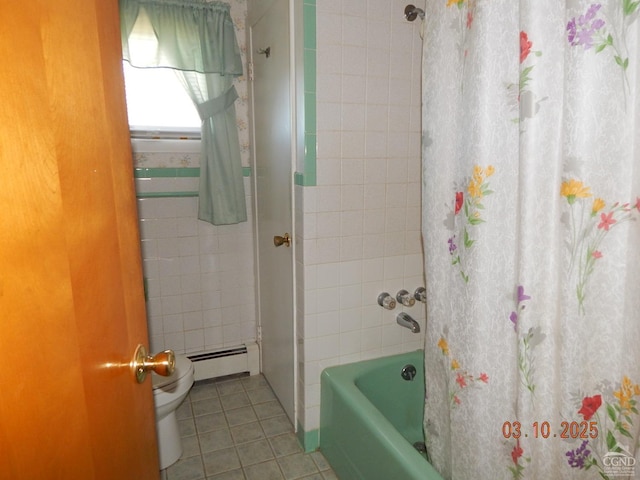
(228, 361)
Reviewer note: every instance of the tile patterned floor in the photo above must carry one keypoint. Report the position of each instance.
(235, 429)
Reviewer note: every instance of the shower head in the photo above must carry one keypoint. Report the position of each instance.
(411, 12)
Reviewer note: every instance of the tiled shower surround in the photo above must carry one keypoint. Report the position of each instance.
(357, 222)
(358, 229)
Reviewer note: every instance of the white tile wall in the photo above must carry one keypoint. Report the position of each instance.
(200, 277)
(359, 228)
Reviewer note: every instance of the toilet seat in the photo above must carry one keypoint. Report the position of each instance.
(183, 366)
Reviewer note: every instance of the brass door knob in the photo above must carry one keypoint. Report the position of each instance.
(163, 363)
(284, 240)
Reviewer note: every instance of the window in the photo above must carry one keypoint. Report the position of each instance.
(162, 117)
(181, 39)
(156, 100)
(161, 114)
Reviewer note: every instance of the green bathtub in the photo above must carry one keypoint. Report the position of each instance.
(370, 417)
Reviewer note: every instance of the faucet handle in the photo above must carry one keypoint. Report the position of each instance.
(405, 298)
(420, 294)
(386, 301)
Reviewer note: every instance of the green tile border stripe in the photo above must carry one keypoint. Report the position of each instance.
(310, 441)
(171, 172)
(308, 177)
(309, 19)
(182, 172)
(166, 194)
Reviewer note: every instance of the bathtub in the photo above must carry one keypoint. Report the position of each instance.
(370, 418)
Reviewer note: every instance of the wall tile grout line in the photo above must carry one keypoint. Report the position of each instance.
(235, 429)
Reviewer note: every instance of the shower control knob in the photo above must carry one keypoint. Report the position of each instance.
(405, 298)
(420, 294)
(386, 301)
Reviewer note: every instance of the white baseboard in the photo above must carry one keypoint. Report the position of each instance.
(228, 361)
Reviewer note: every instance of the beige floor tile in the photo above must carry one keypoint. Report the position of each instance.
(213, 421)
(276, 425)
(297, 466)
(237, 430)
(215, 440)
(254, 452)
(248, 432)
(202, 391)
(186, 469)
(220, 461)
(255, 381)
(229, 387)
(235, 400)
(285, 444)
(321, 462)
(231, 475)
(206, 406)
(190, 446)
(240, 416)
(269, 409)
(264, 471)
(261, 395)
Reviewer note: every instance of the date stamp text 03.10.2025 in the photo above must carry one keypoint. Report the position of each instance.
(567, 430)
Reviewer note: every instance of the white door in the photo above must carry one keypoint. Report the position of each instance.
(273, 171)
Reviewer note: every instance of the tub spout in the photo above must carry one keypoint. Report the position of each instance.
(406, 321)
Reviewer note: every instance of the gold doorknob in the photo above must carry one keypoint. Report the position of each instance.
(163, 363)
(285, 240)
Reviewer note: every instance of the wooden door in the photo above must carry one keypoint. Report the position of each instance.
(71, 296)
(273, 160)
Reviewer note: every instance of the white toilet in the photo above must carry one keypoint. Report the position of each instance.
(168, 393)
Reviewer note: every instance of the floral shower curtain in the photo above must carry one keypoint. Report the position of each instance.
(531, 191)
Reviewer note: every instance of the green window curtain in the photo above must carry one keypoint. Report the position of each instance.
(197, 39)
